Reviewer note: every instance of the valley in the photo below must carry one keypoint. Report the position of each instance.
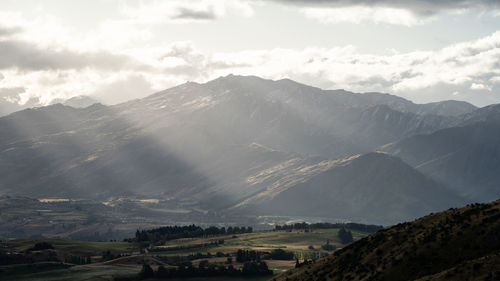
(112, 260)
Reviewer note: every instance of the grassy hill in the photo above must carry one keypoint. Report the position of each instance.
(458, 244)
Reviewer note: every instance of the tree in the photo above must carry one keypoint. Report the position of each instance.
(146, 271)
(328, 246)
(345, 236)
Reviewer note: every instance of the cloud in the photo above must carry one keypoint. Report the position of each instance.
(405, 12)
(419, 7)
(127, 87)
(10, 93)
(478, 86)
(361, 14)
(8, 31)
(49, 69)
(178, 11)
(23, 55)
(470, 69)
(185, 13)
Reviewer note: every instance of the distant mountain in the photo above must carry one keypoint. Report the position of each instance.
(458, 244)
(202, 146)
(443, 108)
(489, 113)
(7, 107)
(465, 158)
(374, 187)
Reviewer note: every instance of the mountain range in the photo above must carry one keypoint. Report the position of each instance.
(9, 102)
(247, 145)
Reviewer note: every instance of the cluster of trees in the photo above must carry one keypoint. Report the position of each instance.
(41, 246)
(251, 255)
(208, 255)
(78, 259)
(345, 236)
(205, 269)
(107, 256)
(280, 254)
(247, 255)
(190, 231)
(369, 228)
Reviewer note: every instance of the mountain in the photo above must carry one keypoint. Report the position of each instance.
(374, 187)
(282, 114)
(465, 158)
(458, 244)
(8, 106)
(79, 101)
(200, 146)
(443, 108)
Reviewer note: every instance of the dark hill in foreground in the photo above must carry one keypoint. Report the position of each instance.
(458, 244)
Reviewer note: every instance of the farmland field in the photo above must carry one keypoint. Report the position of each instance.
(127, 257)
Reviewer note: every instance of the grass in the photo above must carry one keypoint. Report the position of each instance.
(296, 241)
(77, 273)
(75, 246)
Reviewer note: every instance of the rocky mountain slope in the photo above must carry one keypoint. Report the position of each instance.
(458, 244)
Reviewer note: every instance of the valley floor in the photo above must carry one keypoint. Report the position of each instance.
(109, 260)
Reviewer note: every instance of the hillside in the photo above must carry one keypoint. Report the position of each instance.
(374, 187)
(453, 245)
(464, 158)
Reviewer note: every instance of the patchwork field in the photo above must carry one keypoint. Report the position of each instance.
(108, 260)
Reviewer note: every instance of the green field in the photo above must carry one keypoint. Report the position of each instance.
(298, 241)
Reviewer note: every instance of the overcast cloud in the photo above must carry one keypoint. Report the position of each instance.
(27, 56)
(419, 7)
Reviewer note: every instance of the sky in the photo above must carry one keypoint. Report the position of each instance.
(114, 51)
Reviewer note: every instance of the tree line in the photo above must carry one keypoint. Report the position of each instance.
(205, 269)
(189, 231)
(251, 255)
(369, 228)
